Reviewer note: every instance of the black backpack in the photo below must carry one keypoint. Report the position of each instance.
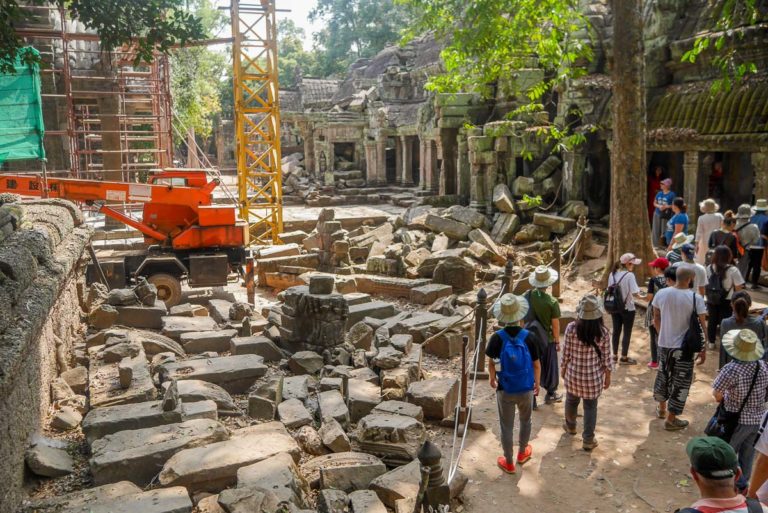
(613, 301)
(714, 291)
(532, 324)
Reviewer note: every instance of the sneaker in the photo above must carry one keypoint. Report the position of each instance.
(525, 456)
(509, 468)
(625, 360)
(662, 414)
(569, 430)
(588, 445)
(554, 398)
(653, 365)
(675, 425)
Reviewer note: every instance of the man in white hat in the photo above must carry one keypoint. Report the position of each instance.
(672, 310)
(710, 220)
(546, 310)
(760, 218)
(514, 371)
(749, 236)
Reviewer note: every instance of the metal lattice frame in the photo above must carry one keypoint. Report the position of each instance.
(257, 118)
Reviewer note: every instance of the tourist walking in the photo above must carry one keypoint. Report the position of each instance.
(725, 236)
(710, 220)
(678, 223)
(749, 236)
(758, 251)
(663, 212)
(656, 282)
(723, 279)
(546, 310)
(688, 253)
(672, 311)
(741, 302)
(586, 367)
(715, 469)
(675, 253)
(741, 388)
(514, 371)
(624, 279)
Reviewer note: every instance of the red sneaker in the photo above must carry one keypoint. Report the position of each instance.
(653, 365)
(509, 468)
(523, 457)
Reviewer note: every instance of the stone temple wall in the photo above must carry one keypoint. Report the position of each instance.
(41, 290)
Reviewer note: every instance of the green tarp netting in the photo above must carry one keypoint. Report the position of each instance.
(21, 113)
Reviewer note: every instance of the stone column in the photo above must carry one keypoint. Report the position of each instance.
(573, 175)
(422, 163)
(462, 166)
(371, 161)
(381, 158)
(399, 151)
(309, 148)
(760, 168)
(429, 169)
(693, 179)
(477, 187)
(407, 165)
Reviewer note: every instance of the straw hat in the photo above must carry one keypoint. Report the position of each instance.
(590, 308)
(680, 240)
(710, 206)
(743, 345)
(510, 309)
(761, 205)
(542, 277)
(744, 212)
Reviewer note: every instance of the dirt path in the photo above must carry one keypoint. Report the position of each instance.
(638, 466)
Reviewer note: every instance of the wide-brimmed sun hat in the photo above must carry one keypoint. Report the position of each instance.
(710, 206)
(761, 205)
(510, 309)
(744, 212)
(680, 239)
(743, 345)
(590, 308)
(629, 258)
(542, 277)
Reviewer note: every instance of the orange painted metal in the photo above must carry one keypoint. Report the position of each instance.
(177, 209)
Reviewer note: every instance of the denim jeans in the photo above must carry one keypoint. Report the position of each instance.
(743, 442)
(590, 415)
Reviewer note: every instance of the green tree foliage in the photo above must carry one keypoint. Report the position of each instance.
(148, 24)
(488, 41)
(731, 16)
(196, 73)
(292, 57)
(354, 29)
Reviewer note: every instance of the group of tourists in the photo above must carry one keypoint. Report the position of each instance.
(689, 305)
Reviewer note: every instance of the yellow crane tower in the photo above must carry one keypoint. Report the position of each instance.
(257, 118)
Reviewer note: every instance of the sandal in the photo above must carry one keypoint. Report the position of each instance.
(625, 360)
(662, 414)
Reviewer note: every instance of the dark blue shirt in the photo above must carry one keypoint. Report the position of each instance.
(664, 199)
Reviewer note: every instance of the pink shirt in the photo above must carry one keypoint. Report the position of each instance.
(736, 504)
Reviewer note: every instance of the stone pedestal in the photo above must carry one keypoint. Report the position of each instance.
(312, 322)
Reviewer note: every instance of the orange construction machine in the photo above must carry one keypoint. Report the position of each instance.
(187, 237)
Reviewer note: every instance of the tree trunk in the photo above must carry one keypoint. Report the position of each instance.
(630, 231)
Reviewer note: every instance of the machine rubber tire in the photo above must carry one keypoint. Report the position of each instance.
(168, 288)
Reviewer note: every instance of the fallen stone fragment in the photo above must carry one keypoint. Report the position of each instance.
(332, 501)
(309, 440)
(263, 400)
(400, 408)
(138, 455)
(188, 310)
(235, 374)
(331, 404)
(77, 379)
(193, 390)
(278, 474)
(333, 436)
(395, 439)
(453, 229)
(248, 500)
(82, 499)
(346, 471)
(214, 467)
(102, 317)
(505, 228)
(365, 374)
(142, 316)
(66, 419)
(428, 294)
(258, 345)
(48, 458)
(387, 358)
(437, 397)
(305, 362)
(360, 335)
(293, 414)
(196, 342)
(329, 383)
(400, 483)
(503, 199)
(174, 327)
(210, 504)
(107, 420)
(163, 500)
(457, 273)
(219, 310)
(366, 501)
(362, 398)
(296, 387)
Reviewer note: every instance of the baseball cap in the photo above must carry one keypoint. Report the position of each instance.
(712, 457)
(688, 250)
(667, 182)
(629, 258)
(660, 263)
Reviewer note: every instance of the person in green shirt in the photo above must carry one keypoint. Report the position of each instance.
(546, 310)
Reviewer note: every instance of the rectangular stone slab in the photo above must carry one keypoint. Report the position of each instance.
(105, 421)
(174, 327)
(138, 455)
(235, 374)
(142, 317)
(196, 342)
(375, 309)
(163, 500)
(104, 384)
(214, 467)
(80, 500)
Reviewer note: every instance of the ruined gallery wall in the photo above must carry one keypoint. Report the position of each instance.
(41, 284)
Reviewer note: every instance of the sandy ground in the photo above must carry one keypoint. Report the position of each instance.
(638, 466)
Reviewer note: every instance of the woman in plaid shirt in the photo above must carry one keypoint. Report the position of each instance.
(732, 385)
(586, 367)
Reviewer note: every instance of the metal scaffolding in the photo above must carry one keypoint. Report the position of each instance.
(257, 118)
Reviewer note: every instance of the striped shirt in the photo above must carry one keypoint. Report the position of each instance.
(736, 504)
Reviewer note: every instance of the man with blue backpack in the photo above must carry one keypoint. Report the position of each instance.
(514, 371)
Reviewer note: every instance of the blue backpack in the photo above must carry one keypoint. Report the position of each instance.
(516, 375)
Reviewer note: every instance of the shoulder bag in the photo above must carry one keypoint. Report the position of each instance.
(723, 423)
(693, 340)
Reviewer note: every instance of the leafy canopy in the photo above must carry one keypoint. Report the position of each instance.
(354, 29)
(147, 24)
(292, 57)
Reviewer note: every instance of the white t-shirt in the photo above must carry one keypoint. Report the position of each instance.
(700, 280)
(705, 225)
(627, 285)
(676, 306)
(732, 278)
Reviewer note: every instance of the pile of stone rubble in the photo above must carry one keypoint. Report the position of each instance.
(318, 403)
